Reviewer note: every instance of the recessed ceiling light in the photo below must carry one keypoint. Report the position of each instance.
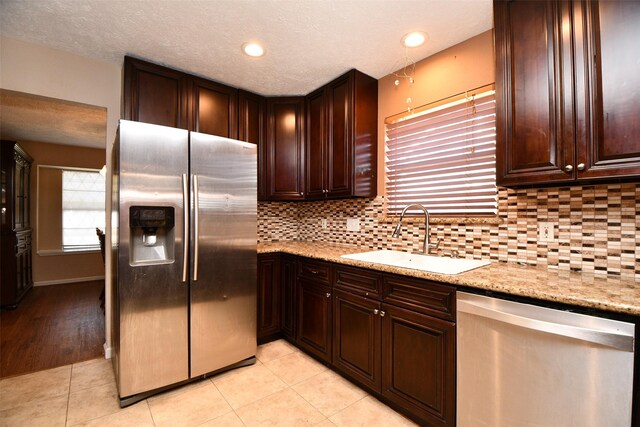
(414, 39)
(253, 49)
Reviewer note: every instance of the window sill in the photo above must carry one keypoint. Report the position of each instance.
(58, 252)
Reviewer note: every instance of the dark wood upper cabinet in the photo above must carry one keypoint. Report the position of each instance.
(607, 88)
(163, 96)
(533, 132)
(214, 108)
(341, 153)
(315, 161)
(284, 154)
(567, 90)
(252, 127)
(154, 94)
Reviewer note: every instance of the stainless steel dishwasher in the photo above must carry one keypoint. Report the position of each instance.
(524, 365)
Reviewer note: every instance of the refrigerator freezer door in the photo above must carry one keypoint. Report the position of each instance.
(223, 295)
(152, 348)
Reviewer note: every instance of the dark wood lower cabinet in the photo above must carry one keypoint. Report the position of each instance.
(288, 289)
(356, 337)
(268, 296)
(418, 364)
(314, 318)
(403, 352)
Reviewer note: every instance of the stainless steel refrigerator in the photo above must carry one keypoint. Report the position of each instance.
(184, 206)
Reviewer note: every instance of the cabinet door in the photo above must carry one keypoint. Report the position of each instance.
(534, 137)
(285, 149)
(154, 94)
(252, 128)
(288, 306)
(340, 137)
(608, 88)
(268, 295)
(356, 337)
(418, 364)
(315, 150)
(213, 108)
(314, 318)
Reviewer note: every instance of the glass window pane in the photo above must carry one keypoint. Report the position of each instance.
(83, 194)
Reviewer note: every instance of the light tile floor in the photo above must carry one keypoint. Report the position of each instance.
(284, 388)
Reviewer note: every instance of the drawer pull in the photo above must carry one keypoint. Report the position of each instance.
(328, 295)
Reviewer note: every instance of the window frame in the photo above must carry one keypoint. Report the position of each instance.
(61, 250)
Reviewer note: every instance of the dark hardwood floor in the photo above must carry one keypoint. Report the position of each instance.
(53, 326)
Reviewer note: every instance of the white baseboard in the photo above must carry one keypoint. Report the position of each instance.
(108, 351)
(62, 281)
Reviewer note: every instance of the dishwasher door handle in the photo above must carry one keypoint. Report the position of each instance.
(614, 340)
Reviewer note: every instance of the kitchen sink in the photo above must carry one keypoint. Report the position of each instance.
(430, 263)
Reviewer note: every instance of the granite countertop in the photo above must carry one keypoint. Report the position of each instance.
(609, 293)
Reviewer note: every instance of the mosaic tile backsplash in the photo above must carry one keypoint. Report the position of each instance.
(597, 228)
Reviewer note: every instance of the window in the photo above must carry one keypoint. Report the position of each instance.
(83, 195)
(444, 157)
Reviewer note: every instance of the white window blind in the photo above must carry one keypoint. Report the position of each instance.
(444, 158)
(83, 195)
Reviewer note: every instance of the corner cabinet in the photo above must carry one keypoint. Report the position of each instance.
(314, 311)
(15, 246)
(568, 91)
(252, 127)
(341, 138)
(284, 150)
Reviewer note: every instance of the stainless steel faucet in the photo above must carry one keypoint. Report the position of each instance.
(426, 246)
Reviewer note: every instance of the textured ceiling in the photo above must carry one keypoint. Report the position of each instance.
(308, 42)
(26, 117)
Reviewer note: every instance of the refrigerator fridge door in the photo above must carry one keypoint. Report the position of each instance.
(223, 249)
(152, 325)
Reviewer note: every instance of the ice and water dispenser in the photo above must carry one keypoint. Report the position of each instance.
(152, 235)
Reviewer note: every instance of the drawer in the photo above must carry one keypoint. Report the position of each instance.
(359, 281)
(423, 296)
(315, 270)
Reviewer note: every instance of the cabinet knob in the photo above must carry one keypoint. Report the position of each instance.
(581, 166)
(382, 313)
(328, 295)
(375, 311)
(568, 168)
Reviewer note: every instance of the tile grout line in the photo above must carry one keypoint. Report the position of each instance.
(311, 404)
(225, 399)
(150, 412)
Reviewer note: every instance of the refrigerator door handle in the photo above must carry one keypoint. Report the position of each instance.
(196, 231)
(185, 241)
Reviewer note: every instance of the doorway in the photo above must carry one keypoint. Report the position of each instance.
(60, 320)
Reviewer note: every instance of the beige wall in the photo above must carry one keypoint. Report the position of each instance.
(67, 267)
(462, 67)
